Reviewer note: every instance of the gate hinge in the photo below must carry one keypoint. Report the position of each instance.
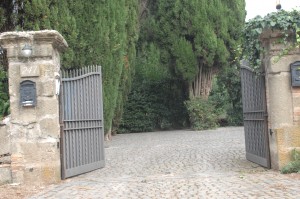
(271, 131)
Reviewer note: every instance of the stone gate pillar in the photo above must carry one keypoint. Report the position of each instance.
(283, 100)
(34, 105)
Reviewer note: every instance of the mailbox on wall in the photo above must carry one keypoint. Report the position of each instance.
(295, 71)
(27, 93)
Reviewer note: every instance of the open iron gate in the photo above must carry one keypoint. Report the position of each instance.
(255, 116)
(81, 115)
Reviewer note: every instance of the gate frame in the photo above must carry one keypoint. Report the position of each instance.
(73, 75)
(263, 161)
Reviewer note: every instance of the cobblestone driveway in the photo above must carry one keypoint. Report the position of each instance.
(178, 164)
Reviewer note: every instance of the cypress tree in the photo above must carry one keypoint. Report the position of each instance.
(129, 59)
(62, 20)
(209, 30)
(108, 33)
(35, 15)
(98, 33)
(7, 17)
(44, 14)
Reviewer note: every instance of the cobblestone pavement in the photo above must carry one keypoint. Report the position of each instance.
(178, 164)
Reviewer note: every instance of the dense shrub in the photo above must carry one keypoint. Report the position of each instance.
(156, 99)
(153, 106)
(294, 166)
(202, 114)
(235, 116)
(226, 96)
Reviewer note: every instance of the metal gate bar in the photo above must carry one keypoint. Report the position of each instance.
(81, 114)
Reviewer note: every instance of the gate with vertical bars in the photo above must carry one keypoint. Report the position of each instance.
(255, 115)
(81, 118)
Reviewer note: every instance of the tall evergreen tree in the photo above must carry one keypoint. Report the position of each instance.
(7, 15)
(197, 37)
(98, 32)
(107, 36)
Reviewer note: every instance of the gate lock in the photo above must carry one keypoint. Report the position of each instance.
(295, 71)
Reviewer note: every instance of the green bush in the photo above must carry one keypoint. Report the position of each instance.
(4, 98)
(226, 96)
(153, 106)
(201, 114)
(139, 114)
(294, 166)
(235, 115)
(156, 101)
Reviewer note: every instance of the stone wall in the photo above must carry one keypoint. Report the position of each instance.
(4, 139)
(283, 100)
(34, 130)
(5, 151)
(296, 104)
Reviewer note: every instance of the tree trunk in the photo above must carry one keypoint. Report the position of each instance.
(143, 6)
(202, 84)
(108, 135)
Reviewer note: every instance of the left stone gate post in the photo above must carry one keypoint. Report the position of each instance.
(34, 105)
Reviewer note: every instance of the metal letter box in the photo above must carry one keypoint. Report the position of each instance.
(295, 72)
(27, 93)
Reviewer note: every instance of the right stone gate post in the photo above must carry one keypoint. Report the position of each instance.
(283, 100)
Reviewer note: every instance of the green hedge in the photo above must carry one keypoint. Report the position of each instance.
(153, 106)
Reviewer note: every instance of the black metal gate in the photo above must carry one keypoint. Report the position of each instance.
(81, 115)
(255, 116)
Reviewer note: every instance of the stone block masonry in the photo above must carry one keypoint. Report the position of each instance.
(296, 104)
(283, 100)
(34, 131)
(5, 151)
(4, 142)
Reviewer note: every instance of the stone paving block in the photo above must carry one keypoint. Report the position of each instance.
(178, 164)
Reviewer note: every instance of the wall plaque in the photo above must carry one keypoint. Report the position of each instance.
(29, 70)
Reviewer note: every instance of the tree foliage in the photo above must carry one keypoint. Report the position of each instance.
(193, 40)
(156, 101)
(176, 46)
(185, 60)
(226, 96)
(4, 98)
(98, 33)
(196, 37)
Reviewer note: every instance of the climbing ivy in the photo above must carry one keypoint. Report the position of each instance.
(285, 21)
